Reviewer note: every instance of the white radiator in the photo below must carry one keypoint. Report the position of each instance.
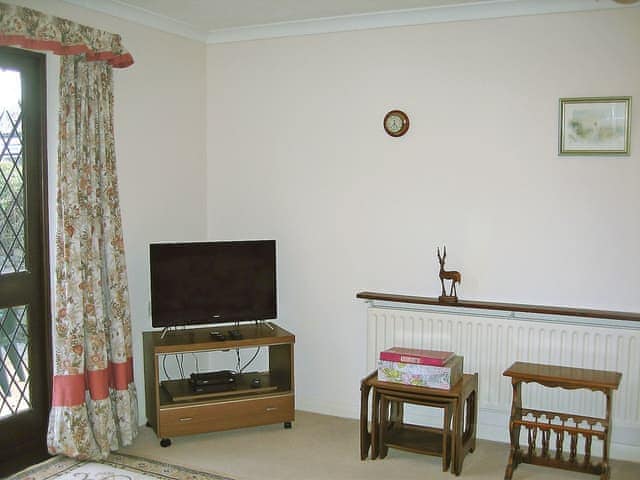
(490, 343)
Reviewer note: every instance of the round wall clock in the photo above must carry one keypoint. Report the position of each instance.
(396, 123)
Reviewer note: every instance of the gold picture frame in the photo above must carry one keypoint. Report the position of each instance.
(595, 126)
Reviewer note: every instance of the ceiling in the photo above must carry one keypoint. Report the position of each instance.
(212, 15)
(214, 21)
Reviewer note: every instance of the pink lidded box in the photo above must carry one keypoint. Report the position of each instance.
(431, 376)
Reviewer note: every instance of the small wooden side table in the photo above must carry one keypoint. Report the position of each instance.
(539, 422)
(393, 432)
(460, 404)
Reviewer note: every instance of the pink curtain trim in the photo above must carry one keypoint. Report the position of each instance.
(69, 390)
(117, 61)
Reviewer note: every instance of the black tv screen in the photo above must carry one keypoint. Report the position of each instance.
(212, 282)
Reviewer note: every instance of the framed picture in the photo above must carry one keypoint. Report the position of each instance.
(595, 126)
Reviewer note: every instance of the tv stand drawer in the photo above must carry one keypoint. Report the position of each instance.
(188, 420)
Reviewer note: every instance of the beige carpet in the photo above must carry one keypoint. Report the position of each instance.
(324, 447)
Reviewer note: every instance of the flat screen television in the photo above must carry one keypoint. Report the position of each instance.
(212, 282)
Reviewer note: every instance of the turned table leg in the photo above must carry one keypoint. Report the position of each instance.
(514, 430)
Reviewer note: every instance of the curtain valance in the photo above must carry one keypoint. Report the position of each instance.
(27, 28)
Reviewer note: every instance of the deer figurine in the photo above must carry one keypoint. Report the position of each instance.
(452, 275)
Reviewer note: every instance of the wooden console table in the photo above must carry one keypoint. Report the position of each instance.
(539, 422)
(460, 404)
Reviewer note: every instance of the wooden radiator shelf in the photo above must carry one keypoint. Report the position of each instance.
(506, 307)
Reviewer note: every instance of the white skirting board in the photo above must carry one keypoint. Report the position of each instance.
(491, 342)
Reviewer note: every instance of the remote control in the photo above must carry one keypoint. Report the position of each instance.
(217, 336)
(235, 335)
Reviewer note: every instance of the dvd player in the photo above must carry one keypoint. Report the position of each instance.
(222, 377)
(220, 387)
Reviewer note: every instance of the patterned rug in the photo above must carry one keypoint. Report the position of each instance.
(116, 467)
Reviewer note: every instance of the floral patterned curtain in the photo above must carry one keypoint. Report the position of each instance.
(94, 402)
(27, 28)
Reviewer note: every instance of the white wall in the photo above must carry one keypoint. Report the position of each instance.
(296, 152)
(160, 151)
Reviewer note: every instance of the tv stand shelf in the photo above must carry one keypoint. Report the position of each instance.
(173, 409)
(180, 390)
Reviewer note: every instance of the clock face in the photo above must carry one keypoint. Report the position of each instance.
(396, 123)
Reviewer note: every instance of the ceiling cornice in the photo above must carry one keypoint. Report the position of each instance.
(143, 17)
(398, 18)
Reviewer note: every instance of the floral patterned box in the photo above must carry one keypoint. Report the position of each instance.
(422, 375)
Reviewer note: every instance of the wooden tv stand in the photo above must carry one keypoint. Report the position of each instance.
(173, 409)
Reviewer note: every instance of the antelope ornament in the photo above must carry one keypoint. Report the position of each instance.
(452, 275)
